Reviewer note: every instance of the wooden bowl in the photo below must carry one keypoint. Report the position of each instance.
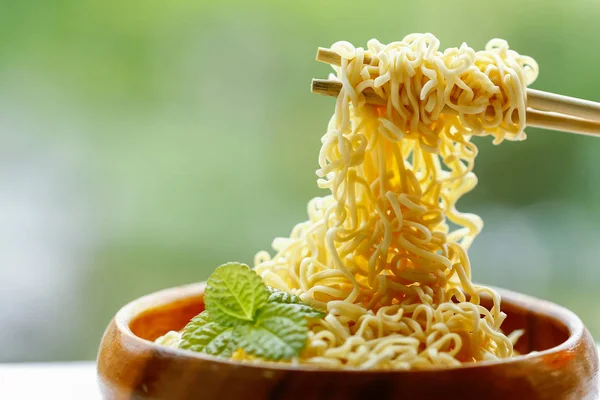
(131, 366)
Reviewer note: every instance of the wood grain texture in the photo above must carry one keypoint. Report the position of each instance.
(130, 366)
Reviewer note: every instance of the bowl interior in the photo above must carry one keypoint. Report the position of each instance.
(131, 366)
(172, 316)
(545, 327)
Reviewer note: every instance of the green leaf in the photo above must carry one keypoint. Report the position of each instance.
(280, 333)
(204, 336)
(271, 289)
(283, 297)
(293, 300)
(241, 311)
(200, 319)
(234, 293)
(307, 311)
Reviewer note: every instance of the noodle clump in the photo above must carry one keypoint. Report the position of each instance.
(378, 253)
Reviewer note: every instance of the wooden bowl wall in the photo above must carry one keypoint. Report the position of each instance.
(130, 366)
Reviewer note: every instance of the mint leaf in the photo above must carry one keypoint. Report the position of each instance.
(280, 333)
(294, 301)
(307, 311)
(234, 293)
(283, 297)
(242, 312)
(199, 319)
(204, 336)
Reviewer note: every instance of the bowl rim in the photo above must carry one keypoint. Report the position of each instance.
(163, 297)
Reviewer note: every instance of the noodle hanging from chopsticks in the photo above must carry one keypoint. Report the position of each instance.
(378, 253)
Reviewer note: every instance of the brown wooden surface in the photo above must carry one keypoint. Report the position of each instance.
(130, 367)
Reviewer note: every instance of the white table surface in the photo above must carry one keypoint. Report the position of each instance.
(74, 380)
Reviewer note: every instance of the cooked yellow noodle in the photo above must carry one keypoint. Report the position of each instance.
(378, 253)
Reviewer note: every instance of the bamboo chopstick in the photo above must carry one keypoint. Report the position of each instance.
(535, 118)
(332, 88)
(560, 122)
(536, 99)
(563, 104)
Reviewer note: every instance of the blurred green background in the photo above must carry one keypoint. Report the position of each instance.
(143, 143)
